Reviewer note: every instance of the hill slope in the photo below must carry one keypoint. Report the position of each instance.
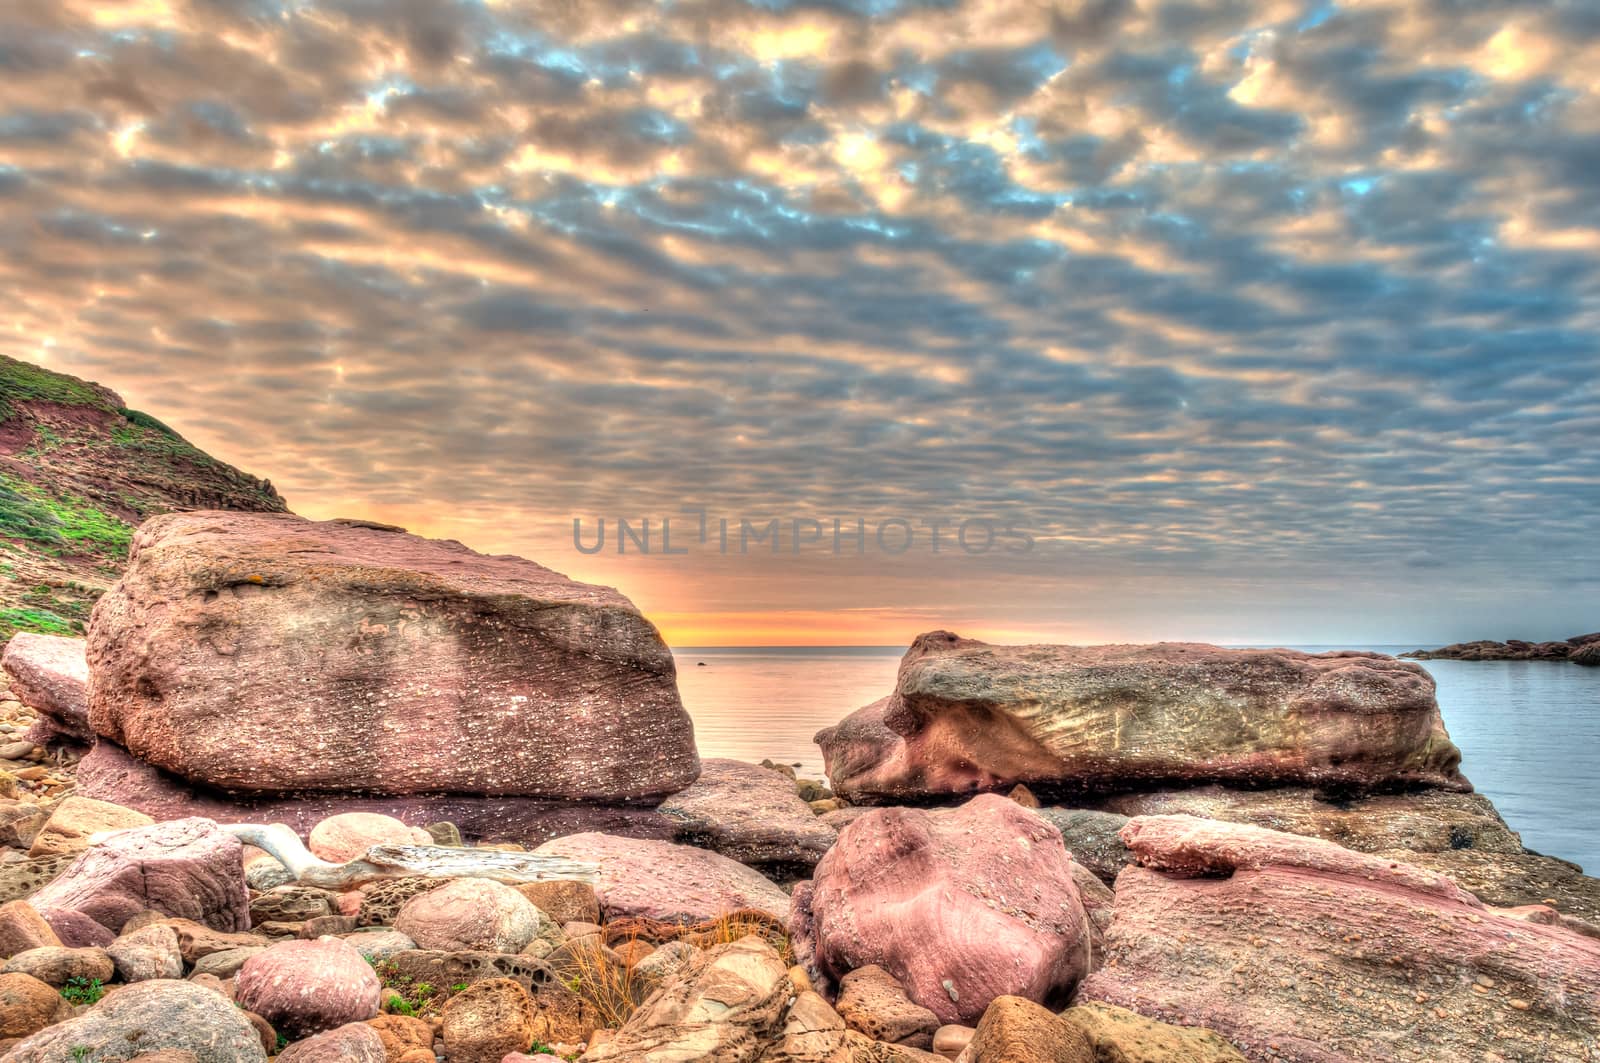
(78, 472)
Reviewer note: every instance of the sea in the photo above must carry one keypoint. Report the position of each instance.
(1529, 731)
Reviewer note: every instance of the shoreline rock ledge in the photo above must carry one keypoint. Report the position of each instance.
(966, 716)
(269, 655)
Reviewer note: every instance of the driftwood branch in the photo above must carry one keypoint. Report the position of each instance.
(394, 861)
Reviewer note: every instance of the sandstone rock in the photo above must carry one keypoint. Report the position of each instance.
(950, 1041)
(188, 868)
(20, 823)
(1323, 953)
(150, 952)
(226, 964)
(356, 657)
(1014, 1030)
(748, 814)
(352, 1043)
(49, 673)
(163, 1015)
(1122, 1036)
(28, 1005)
(306, 987)
(348, 836)
(400, 1034)
(864, 1049)
(727, 1005)
(485, 1021)
(77, 930)
(676, 883)
(379, 945)
(451, 968)
(961, 905)
(1092, 838)
(108, 772)
(812, 1033)
(327, 926)
(57, 966)
(872, 1001)
(1509, 880)
(563, 902)
(968, 716)
(23, 928)
(292, 904)
(470, 913)
(75, 819)
(197, 941)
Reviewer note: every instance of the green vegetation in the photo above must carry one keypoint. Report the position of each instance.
(81, 1051)
(402, 996)
(144, 420)
(39, 621)
(67, 523)
(24, 381)
(81, 990)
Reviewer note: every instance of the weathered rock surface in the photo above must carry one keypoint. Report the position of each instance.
(485, 1021)
(267, 653)
(450, 968)
(57, 965)
(812, 1033)
(750, 814)
(1296, 949)
(352, 1043)
(1510, 880)
(28, 1005)
(1014, 1030)
(75, 819)
(307, 987)
(291, 903)
(25, 878)
(347, 836)
(110, 773)
(1092, 837)
(1118, 1035)
(872, 1001)
(77, 930)
(400, 1034)
(563, 901)
(727, 1005)
(1580, 649)
(20, 822)
(661, 880)
(961, 905)
(50, 674)
(23, 928)
(162, 1015)
(188, 868)
(968, 716)
(472, 914)
(146, 953)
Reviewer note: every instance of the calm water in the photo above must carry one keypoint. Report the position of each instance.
(1529, 731)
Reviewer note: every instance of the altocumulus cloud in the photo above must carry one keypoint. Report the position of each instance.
(1265, 291)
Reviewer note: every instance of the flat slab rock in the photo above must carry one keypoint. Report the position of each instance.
(968, 716)
(673, 883)
(1299, 950)
(261, 652)
(51, 674)
(110, 773)
(750, 814)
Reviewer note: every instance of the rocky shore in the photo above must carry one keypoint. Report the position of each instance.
(1579, 649)
(497, 842)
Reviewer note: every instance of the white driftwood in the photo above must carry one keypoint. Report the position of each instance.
(394, 861)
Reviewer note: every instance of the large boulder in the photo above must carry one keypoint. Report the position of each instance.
(189, 868)
(961, 905)
(76, 819)
(661, 880)
(307, 987)
(51, 674)
(108, 772)
(750, 814)
(347, 836)
(1299, 950)
(968, 716)
(261, 652)
(149, 1017)
(471, 914)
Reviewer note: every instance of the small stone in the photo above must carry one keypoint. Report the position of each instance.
(485, 1021)
(354, 1042)
(150, 952)
(563, 901)
(948, 1041)
(57, 966)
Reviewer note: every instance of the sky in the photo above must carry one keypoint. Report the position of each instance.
(1255, 321)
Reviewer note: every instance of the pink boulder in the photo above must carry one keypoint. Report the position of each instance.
(472, 914)
(266, 653)
(189, 868)
(306, 987)
(347, 836)
(662, 880)
(1296, 949)
(967, 716)
(961, 905)
(50, 674)
(354, 1042)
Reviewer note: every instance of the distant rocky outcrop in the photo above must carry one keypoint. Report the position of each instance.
(265, 654)
(78, 471)
(966, 716)
(1579, 649)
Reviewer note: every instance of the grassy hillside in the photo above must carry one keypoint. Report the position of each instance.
(78, 472)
